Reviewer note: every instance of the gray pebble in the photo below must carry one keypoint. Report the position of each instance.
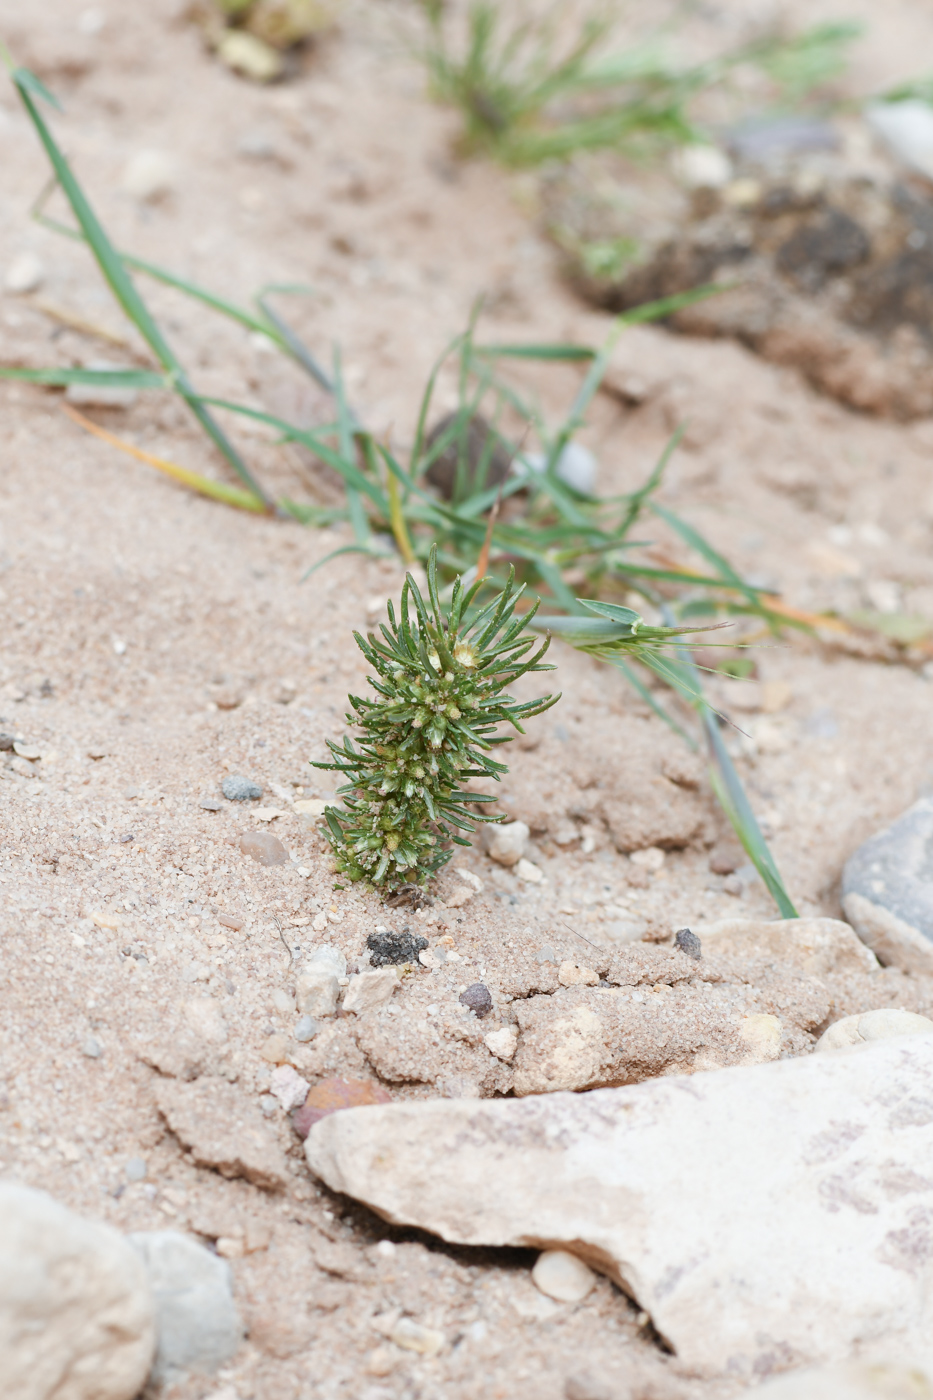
(545, 954)
(135, 1169)
(197, 1323)
(478, 999)
(211, 804)
(686, 940)
(268, 1103)
(887, 890)
(92, 1048)
(306, 1028)
(240, 789)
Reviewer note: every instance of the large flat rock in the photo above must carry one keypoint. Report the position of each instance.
(765, 1217)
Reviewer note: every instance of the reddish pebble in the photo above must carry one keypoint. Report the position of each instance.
(264, 847)
(229, 921)
(331, 1095)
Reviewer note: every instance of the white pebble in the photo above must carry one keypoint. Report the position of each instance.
(25, 274)
(505, 844)
(562, 1276)
(651, 858)
(148, 175)
(883, 1024)
(702, 167)
(502, 1043)
(529, 872)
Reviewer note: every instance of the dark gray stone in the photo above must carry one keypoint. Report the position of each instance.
(887, 890)
(240, 789)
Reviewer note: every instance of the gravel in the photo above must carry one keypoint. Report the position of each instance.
(240, 789)
(395, 948)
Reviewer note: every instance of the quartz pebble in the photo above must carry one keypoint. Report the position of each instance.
(545, 954)
(886, 1022)
(263, 847)
(135, 1169)
(414, 1337)
(91, 1047)
(240, 789)
(210, 804)
(368, 990)
(478, 998)
(24, 274)
(148, 175)
(502, 1043)
(505, 844)
(288, 1087)
(306, 1028)
(651, 858)
(318, 986)
(529, 872)
(274, 1049)
(562, 1276)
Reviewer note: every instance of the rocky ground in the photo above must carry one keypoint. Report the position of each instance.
(155, 973)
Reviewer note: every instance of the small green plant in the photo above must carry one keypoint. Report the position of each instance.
(529, 94)
(441, 674)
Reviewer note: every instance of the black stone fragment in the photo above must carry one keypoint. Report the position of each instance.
(686, 940)
(478, 999)
(391, 948)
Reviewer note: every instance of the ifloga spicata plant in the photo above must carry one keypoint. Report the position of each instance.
(441, 674)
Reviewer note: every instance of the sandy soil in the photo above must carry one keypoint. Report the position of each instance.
(155, 642)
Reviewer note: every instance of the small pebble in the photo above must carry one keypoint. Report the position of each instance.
(288, 1087)
(135, 1169)
(651, 858)
(306, 1028)
(240, 789)
(6, 742)
(413, 1336)
(570, 974)
(268, 1104)
(529, 872)
(545, 954)
(92, 1048)
(148, 175)
(210, 804)
(332, 1095)
(231, 921)
(686, 940)
(25, 274)
(263, 847)
(477, 997)
(389, 948)
(562, 1276)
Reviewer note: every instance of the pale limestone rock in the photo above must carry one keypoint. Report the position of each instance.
(883, 1024)
(317, 987)
(503, 1042)
(367, 991)
(529, 872)
(413, 1336)
(820, 947)
(505, 844)
(894, 942)
(77, 1320)
(570, 974)
(762, 1035)
(563, 1276)
(286, 1085)
(776, 1210)
(896, 1379)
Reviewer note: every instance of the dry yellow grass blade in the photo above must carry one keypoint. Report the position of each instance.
(217, 490)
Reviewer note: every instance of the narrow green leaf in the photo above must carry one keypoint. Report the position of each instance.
(103, 378)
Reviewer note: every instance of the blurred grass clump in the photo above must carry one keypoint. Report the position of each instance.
(540, 84)
(257, 37)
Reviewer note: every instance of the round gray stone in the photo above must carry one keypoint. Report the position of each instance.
(197, 1321)
(240, 789)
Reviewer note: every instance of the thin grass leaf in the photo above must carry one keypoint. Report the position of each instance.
(122, 285)
(101, 378)
(569, 353)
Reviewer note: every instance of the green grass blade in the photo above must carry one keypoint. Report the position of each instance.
(569, 353)
(103, 378)
(122, 285)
